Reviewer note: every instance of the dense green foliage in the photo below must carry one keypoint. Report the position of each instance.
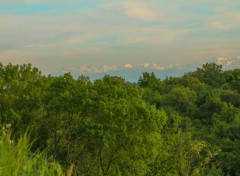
(187, 126)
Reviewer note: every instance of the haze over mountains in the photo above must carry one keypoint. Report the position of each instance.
(132, 72)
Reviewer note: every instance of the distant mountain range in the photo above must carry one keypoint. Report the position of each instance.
(132, 73)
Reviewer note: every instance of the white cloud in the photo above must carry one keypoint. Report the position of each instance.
(140, 11)
(107, 68)
(82, 69)
(157, 67)
(160, 67)
(128, 66)
(220, 60)
(146, 65)
(87, 69)
(228, 61)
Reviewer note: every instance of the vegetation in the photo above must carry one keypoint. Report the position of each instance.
(16, 158)
(179, 126)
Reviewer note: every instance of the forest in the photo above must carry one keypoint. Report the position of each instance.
(178, 126)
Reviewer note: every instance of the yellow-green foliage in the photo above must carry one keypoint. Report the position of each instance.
(17, 160)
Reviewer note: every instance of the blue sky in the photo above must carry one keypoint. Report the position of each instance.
(94, 37)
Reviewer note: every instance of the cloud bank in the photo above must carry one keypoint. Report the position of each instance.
(102, 36)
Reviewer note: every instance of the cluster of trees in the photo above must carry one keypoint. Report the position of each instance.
(187, 126)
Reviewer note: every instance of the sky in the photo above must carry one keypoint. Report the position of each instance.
(122, 37)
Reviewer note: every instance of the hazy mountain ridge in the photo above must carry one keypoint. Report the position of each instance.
(132, 72)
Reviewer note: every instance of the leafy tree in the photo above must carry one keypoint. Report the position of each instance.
(210, 73)
(182, 99)
(232, 78)
(150, 80)
(125, 128)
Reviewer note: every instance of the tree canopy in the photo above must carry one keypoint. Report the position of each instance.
(178, 126)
